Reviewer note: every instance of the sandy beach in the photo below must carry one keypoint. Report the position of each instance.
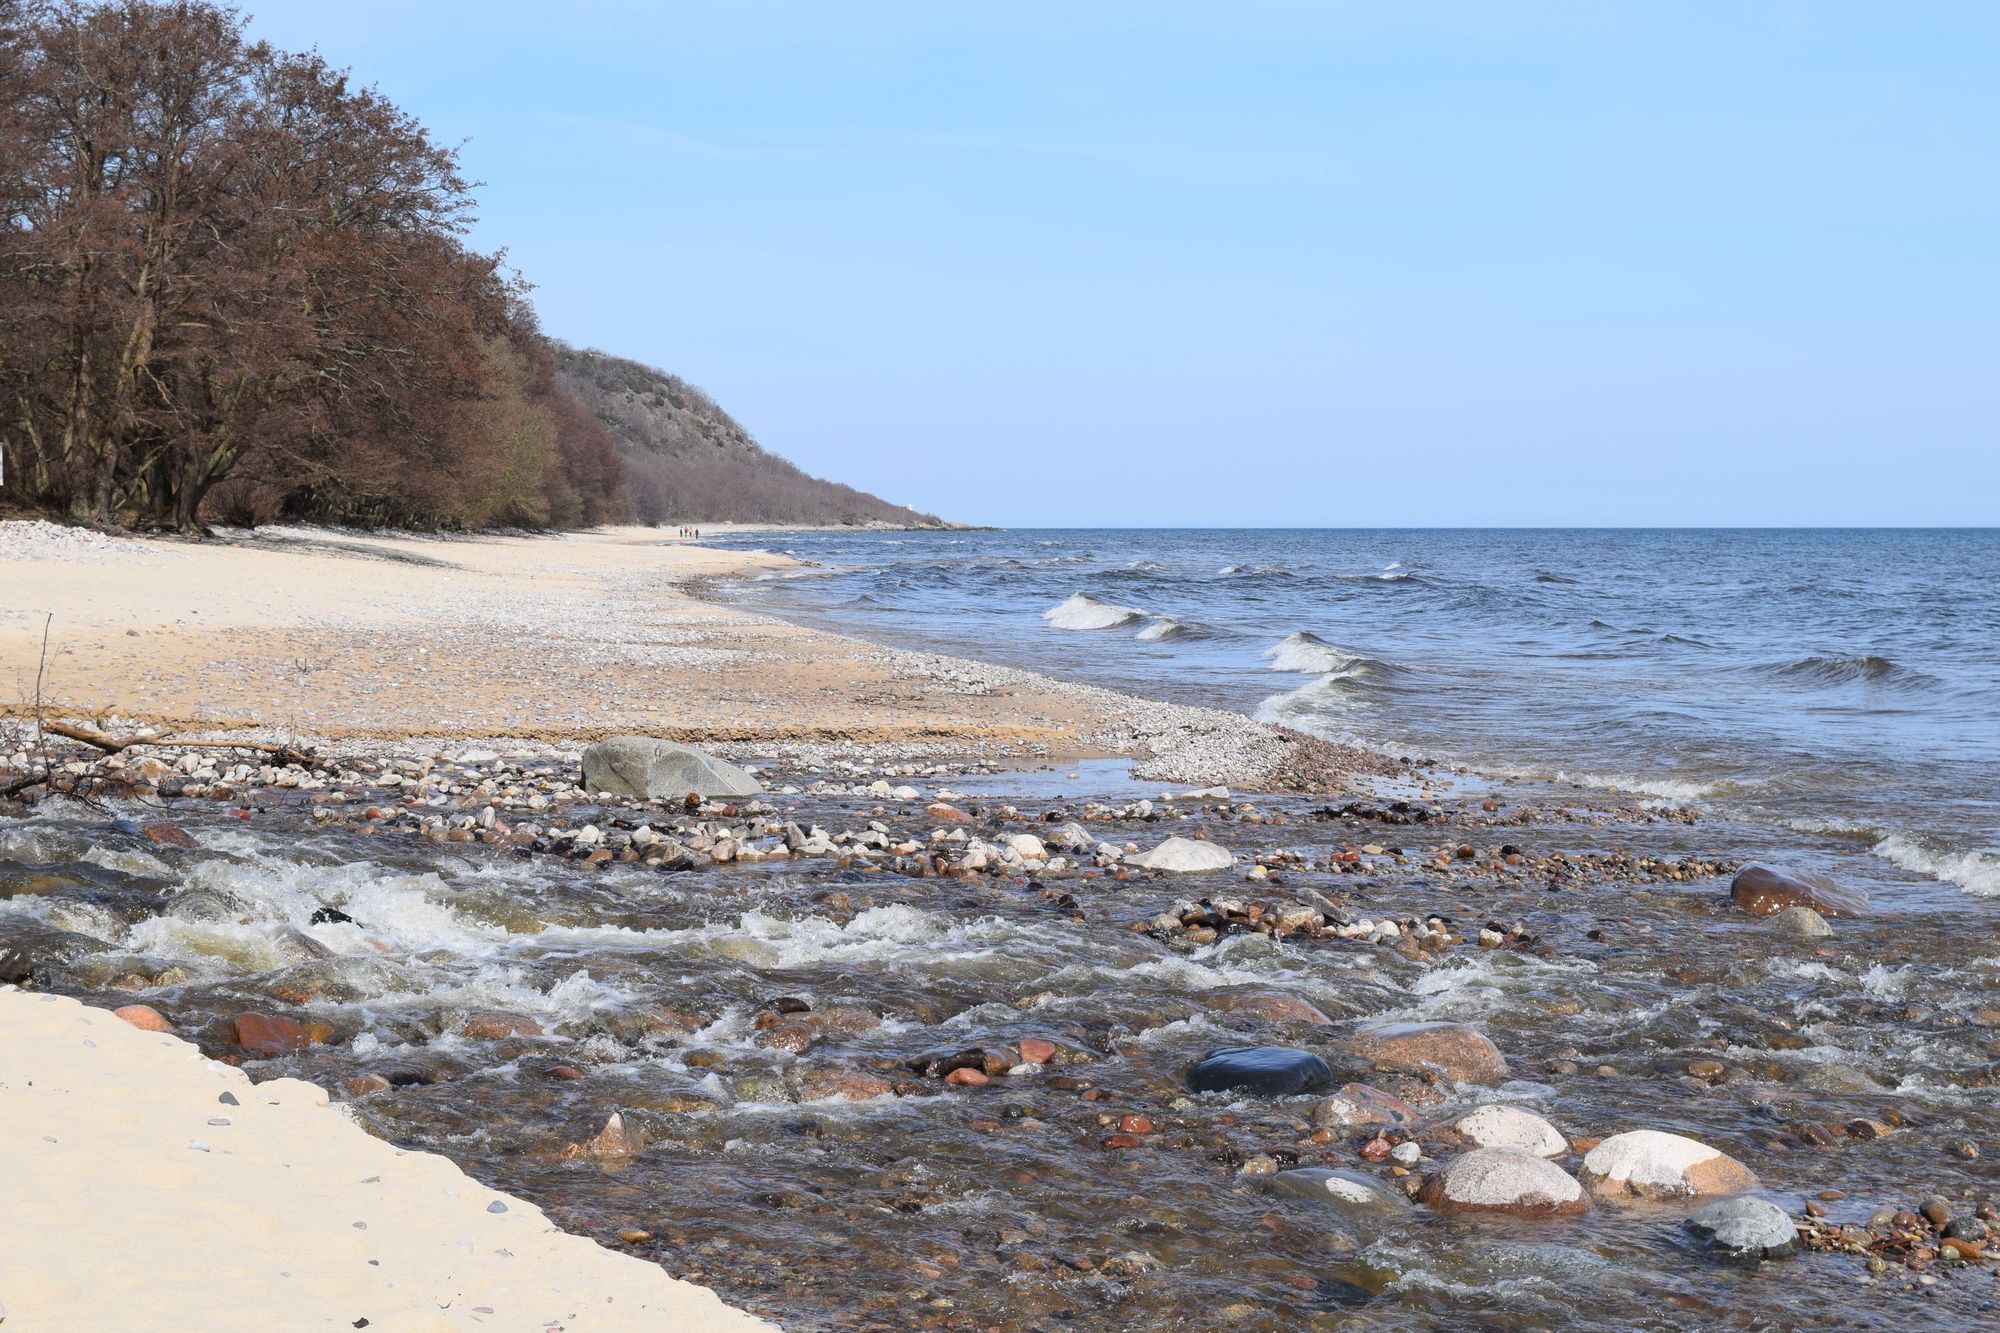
(212, 1203)
(326, 636)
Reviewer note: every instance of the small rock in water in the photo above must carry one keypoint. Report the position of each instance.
(1263, 1071)
(1801, 923)
(1744, 1229)
(1354, 1194)
(1496, 1180)
(1647, 1164)
(144, 1017)
(1359, 1104)
(1510, 1127)
(1459, 1053)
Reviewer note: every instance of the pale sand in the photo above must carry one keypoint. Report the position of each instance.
(331, 635)
(293, 1218)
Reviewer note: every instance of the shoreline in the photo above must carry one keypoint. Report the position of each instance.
(332, 637)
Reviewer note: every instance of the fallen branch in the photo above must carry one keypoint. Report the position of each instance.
(289, 754)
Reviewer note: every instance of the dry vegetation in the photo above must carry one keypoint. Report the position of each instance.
(234, 287)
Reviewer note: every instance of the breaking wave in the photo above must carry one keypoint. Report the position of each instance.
(1310, 655)
(1082, 611)
(1978, 873)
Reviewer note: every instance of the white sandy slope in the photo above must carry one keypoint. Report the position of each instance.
(293, 1218)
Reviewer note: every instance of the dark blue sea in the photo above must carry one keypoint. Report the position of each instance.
(1842, 682)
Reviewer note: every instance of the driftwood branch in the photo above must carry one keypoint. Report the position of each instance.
(289, 754)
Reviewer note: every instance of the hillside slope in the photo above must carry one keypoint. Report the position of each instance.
(688, 461)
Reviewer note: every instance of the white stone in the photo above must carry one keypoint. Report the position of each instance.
(1510, 1127)
(1184, 856)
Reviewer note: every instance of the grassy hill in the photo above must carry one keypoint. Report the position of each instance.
(688, 461)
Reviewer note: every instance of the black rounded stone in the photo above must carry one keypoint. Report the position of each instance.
(1264, 1071)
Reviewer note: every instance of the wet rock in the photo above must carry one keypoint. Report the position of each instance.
(1801, 923)
(1743, 1229)
(144, 1017)
(1452, 1051)
(646, 768)
(16, 968)
(1355, 1195)
(1183, 856)
(495, 1025)
(616, 1140)
(1271, 1006)
(1648, 1164)
(1499, 1126)
(1765, 891)
(361, 1085)
(272, 1035)
(1263, 1071)
(1496, 1180)
(164, 834)
(1359, 1104)
(946, 813)
(852, 1085)
(1036, 1051)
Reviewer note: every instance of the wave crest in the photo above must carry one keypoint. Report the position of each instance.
(1082, 611)
(1978, 873)
(1310, 655)
(1830, 671)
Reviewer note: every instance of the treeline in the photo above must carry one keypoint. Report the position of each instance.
(234, 286)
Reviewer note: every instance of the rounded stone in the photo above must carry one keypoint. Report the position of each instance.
(1263, 1071)
(1183, 856)
(1743, 1229)
(1765, 891)
(1359, 1104)
(1459, 1053)
(1499, 1180)
(1801, 923)
(1649, 1164)
(1500, 1126)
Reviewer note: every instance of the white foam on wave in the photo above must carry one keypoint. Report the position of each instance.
(1308, 654)
(1082, 611)
(1978, 873)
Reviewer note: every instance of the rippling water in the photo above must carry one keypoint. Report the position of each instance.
(1843, 682)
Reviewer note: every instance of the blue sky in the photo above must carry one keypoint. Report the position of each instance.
(1264, 263)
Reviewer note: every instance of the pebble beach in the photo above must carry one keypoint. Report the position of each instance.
(991, 1000)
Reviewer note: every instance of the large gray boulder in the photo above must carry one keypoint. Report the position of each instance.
(650, 769)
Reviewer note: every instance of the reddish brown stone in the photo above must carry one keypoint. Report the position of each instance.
(1453, 1051)
(967, 1077)
(946, 813)
(269, 1034)
(144, 1017)
(1764, 891)
(1036, 1051)
(494, 1024)
(854, 1085)
(562, 1073)
(363, 1084)
(168, 835)
(1135, 1124)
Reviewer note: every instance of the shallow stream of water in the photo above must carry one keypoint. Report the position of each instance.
(1000, 1206)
